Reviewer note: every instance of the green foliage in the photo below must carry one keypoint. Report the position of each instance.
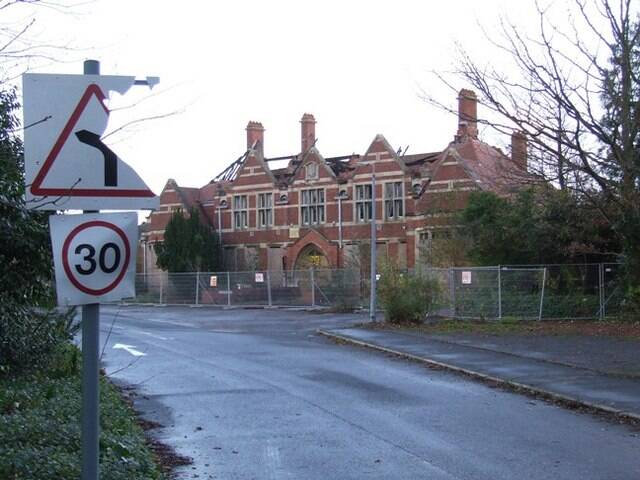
(28, 337)
(406, 298)
(189, 245)
(28, 331)
(40, 427)
(631, 303)
(536, 226)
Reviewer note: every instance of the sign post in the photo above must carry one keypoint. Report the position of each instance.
(90, 433)
(94, 258)
(67, 166)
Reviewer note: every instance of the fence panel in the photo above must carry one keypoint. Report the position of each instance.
(521, 292)
(476, 293)
(525, 291)
(571, 291)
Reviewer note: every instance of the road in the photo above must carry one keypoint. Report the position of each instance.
(255, 394)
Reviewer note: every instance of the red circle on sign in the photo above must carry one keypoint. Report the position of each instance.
(65, 258)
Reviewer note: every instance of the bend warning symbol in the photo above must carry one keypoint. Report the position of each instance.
(66, 163)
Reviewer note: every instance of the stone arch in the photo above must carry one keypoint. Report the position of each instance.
(317, 241)
(311, 256)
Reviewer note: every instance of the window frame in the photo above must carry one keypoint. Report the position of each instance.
(395, 201)
(316, 171)
(265, 210)
(312, 206)
(363, 205)
(240, 212)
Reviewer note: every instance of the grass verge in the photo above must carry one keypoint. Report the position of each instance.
(40, 426)
(610, 328)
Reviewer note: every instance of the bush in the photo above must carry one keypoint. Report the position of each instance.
(28, 337)
(631, 304)
(40, 426)
(406, 298)
(27, 333)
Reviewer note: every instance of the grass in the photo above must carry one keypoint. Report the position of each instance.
(40, 427)
(513, 326)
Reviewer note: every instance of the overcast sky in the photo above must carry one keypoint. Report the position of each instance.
(358, 66)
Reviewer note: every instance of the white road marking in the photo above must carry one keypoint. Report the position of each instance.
(179, 324)
(154, 335)
(129, 348)
(272, 461)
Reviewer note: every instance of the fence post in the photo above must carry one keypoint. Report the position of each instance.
(228, 289)
(452, 290)
(313, 288)
(269, 287)
(499, 292)
(601, 290)
(197, 288)
(161, 285)
(544, 281)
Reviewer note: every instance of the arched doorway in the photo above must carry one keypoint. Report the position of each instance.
(311, 257)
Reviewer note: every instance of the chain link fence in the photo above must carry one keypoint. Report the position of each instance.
(296, 288)
(581, 291)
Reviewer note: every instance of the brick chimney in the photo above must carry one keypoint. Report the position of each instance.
(307, 131)
(255, 135)
(467, 115)
(519, 149)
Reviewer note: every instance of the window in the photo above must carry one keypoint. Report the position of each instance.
(311, 171)
(265, 210)
(312, 206)
(363, 203)
(424, 238)
(240, 212)
(393, 198)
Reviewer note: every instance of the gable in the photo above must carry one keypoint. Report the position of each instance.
(253, 171)
(323, 171)
(450, 168)
(383, 156)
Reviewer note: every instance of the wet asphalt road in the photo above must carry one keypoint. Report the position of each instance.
(255, 394)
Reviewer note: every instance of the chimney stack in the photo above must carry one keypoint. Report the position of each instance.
(307, 131)
(519, 149)
(467, 115)
(255, 137)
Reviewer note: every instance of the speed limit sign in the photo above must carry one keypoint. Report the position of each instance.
(94, 257)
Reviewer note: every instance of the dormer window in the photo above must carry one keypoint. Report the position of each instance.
(311, 171)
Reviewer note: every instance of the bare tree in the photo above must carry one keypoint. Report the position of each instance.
(574, 91)
(21, 45)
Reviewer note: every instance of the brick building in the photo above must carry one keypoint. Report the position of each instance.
(293, 212)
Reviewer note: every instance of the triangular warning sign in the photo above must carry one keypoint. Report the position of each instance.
(118, 179)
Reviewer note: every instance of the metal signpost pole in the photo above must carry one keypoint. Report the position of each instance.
(90, 368)
(372, 305)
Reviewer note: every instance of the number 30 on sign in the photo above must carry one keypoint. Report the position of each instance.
(94, 257)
